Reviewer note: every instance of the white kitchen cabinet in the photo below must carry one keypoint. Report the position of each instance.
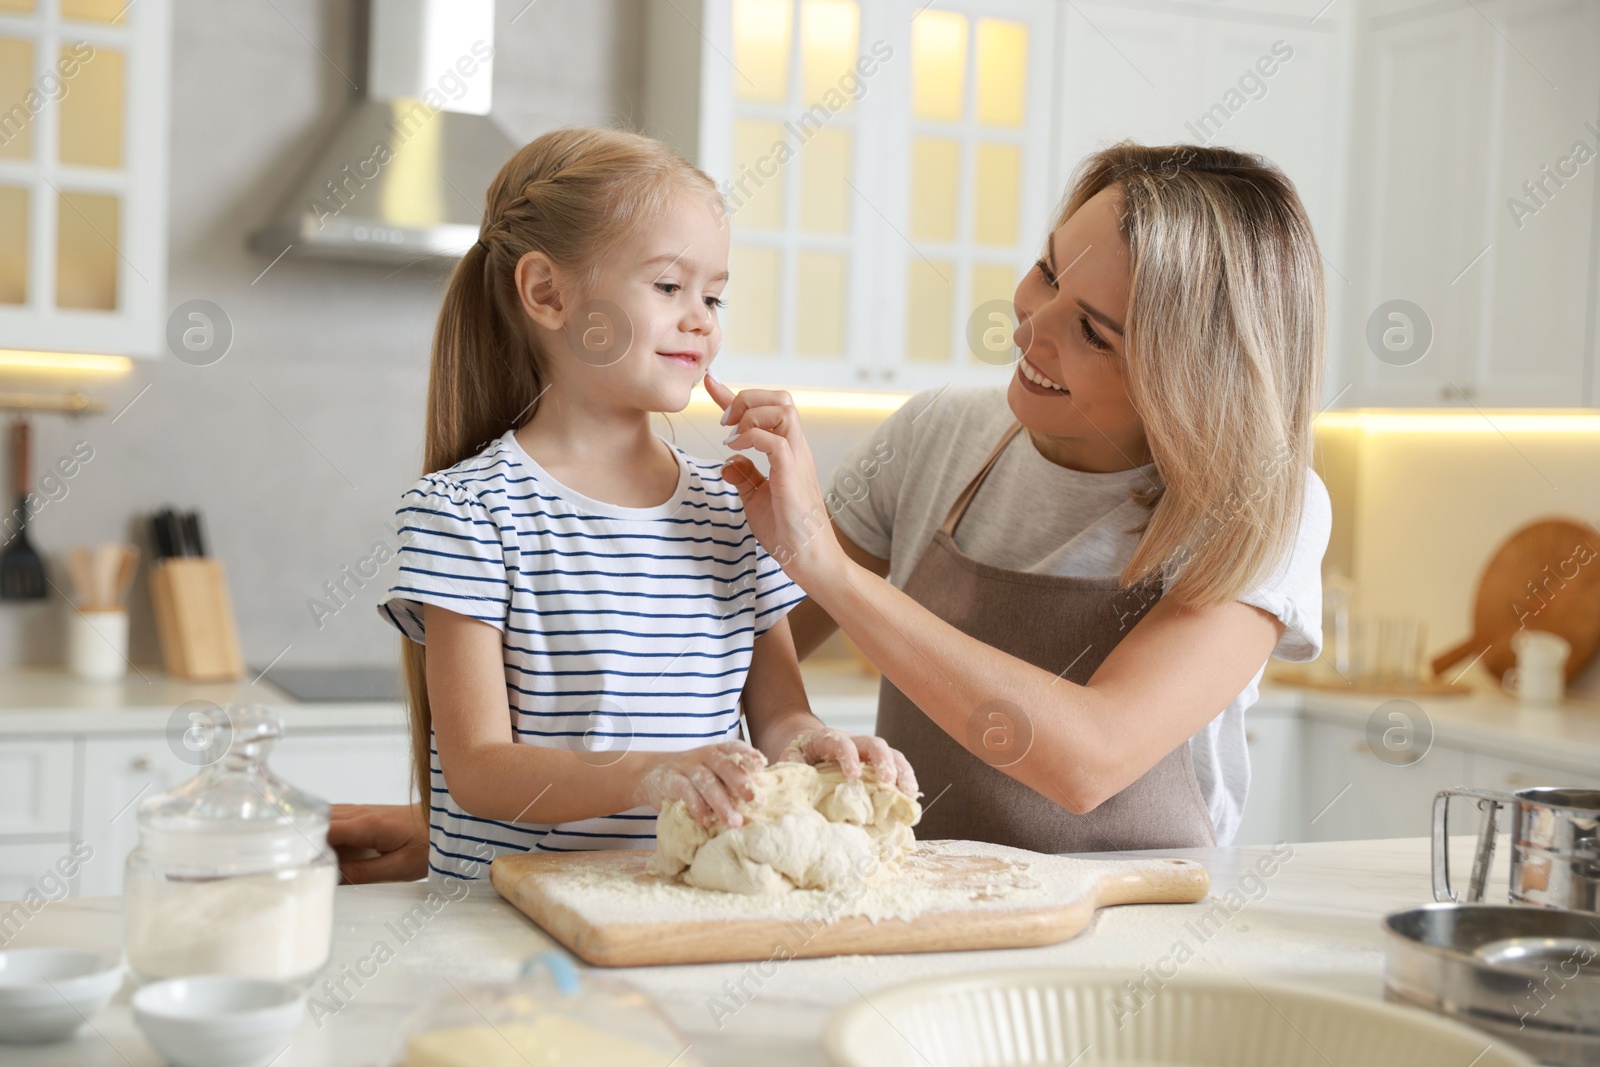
(1272, 808)
(83, 175)
(357, 766)
(884, 253)
(1351, 794)
(1260, 78)
(32, 867)
(372, 767)
(36, 786)
(1460, 106)
(886, 165)
(1509, 775)
(119, 772)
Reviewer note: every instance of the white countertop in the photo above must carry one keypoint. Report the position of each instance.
(42, 701)
(1314, 922)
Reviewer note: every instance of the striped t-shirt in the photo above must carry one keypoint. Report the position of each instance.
(623, 628)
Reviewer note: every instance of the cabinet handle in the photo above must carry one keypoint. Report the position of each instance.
(1518, 778)
(139, 763)
(863, 373)
(1249, 737)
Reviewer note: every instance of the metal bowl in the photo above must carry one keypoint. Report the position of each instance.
(1529, 976)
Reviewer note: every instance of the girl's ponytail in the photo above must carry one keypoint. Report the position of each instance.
(572, 194)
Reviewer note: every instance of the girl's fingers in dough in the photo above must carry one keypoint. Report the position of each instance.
(735, 779)
(711, 790)
(678, 785)
(743, 754)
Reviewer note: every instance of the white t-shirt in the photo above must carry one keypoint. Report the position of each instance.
(1030, 514)
(624, 628)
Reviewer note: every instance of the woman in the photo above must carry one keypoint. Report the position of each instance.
(1072, 588)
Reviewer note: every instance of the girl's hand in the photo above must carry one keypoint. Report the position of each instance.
(706, 779)
(849, 750)
(379, 842)
(787, 511)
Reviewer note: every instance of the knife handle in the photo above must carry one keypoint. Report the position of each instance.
(21, 457)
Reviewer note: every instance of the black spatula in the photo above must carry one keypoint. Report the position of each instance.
(21, 569)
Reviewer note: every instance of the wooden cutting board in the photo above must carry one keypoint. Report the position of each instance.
(950, 896)
(1546, 576)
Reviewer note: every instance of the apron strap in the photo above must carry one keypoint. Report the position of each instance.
(959, 508)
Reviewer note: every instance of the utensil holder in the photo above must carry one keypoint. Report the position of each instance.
(97, 644)
(194, 619)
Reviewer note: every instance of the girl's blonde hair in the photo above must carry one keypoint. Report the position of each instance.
(1224, 357)
(572, 194)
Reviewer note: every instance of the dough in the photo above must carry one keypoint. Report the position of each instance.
(809, 827)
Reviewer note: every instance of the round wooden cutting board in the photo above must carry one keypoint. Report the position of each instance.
(1545, 577)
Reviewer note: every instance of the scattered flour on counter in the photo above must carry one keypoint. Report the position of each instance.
(936, 876)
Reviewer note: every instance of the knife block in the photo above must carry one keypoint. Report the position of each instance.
(194, 619)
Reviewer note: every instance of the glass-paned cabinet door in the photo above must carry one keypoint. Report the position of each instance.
(971, 150)
(787, 98)
(83, 150)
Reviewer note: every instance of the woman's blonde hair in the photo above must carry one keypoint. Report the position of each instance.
(572, 194)
(1224, 336)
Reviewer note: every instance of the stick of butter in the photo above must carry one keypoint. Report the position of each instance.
(549, 1041)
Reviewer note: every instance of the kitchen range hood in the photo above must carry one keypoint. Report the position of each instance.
(403, 176)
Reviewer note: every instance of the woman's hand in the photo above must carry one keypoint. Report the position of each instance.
(706, 779)
(379, 842)
(787, 511)
(849, 751)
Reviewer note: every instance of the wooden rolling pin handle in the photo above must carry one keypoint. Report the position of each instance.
(1186, 882)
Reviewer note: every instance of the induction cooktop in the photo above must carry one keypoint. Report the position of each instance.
(353, 683)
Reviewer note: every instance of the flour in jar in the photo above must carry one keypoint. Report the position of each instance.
(274, 925)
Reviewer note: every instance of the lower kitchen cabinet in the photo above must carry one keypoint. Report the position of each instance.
(1351, 794)
(32, 867)
(1508, 775)
(1314, 779)
(58, 791)
(36, 786)
(1272, 810)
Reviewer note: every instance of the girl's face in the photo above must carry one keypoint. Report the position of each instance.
(647, 329)
(1068, 388)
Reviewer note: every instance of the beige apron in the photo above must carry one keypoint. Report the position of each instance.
(1060, 624)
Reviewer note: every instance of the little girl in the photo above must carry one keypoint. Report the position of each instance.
(595, 607)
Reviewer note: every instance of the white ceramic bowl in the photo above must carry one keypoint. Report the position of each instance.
(1051, 1017)
(46, 994)
(218, 1021)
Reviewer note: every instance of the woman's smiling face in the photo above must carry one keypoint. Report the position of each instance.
(1069, 388)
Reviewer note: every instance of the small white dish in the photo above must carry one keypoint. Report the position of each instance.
(47, 994)
(212, 1020)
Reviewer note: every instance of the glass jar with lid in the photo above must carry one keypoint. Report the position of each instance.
(232, 874)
